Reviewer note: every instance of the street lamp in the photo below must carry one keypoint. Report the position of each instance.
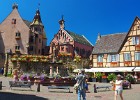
(8, 52)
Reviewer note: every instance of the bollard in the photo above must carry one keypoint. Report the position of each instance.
(130, 86)
(0, 85)
(95, 90)
(38, 87)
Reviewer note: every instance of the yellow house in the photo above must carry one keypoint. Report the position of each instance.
(118, 50)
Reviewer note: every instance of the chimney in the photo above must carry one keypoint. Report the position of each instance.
(99, 37)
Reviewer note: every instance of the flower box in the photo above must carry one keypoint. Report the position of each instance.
(127, 63)
(100, 64)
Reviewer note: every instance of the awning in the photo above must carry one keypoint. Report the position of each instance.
(77, 70)
(116, 69)
(137, 69)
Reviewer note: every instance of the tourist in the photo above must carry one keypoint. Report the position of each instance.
(2, 71)
(86, 86)
(118, 87)
(136, 77)
(15, 75)
(81, 80)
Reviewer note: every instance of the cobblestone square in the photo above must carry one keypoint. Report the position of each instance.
(26, 94)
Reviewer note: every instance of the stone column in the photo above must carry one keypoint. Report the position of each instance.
(57, 70)
(6, 65)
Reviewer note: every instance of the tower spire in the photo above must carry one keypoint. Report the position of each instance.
(62, 22)
(37, 19)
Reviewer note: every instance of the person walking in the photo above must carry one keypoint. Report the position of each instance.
(136, 78)
(118, 87)
(81, 80)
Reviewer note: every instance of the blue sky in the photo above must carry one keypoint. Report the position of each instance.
(85, 17)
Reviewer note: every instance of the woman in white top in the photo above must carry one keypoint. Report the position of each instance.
(118, 87)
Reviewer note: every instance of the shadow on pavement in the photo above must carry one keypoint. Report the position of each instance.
(14, 96)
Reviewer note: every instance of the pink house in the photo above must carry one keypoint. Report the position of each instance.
(68, 42)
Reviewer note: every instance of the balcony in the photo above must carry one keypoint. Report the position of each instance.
(127, 63)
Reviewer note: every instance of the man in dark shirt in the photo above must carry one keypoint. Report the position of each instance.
(81, 79)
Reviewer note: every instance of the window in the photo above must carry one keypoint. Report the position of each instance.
(17, 48)
(113, 58)
(135, 40)
(137, 56)
(100, 58)
(35, 28)
(31, 48)
(77, 49)
(57, 37)
(31, 39)
(127, 57)
(63, 34)
(13, 21)
(39, 40)
(39, 51)
(138, 27)
(67, 50)
(62, 48)
(17, 34)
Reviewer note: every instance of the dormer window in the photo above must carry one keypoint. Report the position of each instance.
(13, 21)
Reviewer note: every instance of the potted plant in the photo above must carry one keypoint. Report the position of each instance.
(111, 77)
(104, 78)
(130, 78)
(98, 76)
